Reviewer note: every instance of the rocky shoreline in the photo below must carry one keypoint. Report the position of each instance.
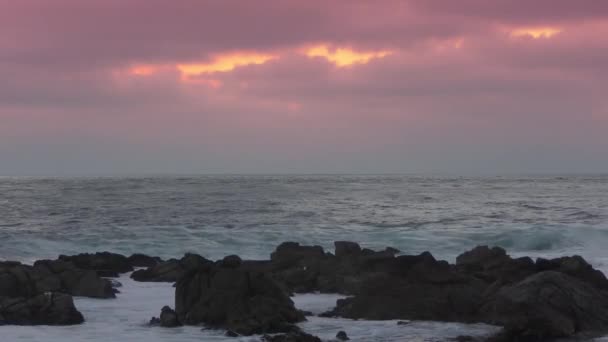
(531, 299)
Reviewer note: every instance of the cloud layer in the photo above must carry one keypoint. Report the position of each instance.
(100, 87)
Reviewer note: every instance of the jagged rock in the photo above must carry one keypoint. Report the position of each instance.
(547, 305)
(171, 270)
(18, 280)
(290, 253)
(576, 267)
(142, 260)
(106, 264)
(243, 301)
(347, 248)
(42, 309)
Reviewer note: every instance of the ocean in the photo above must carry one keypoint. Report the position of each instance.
(539, 216)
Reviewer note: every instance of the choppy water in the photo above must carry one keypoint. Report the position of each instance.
(250, 215)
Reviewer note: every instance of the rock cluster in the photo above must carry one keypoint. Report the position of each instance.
(42, 293)
(532, 299)
(228, 296)
(17, 280)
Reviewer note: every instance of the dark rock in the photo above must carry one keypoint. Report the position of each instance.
(105, 263)
(403, 322)
(171, 270)
(494, 264)
(142, 260)
(290, 253)
(235, 299)
(231, 261)
(342, 336)
(347, 249)
(230, 333)
(391, 297)
(52, 276)
(547, 305)
(574, 266)
(392, 250)
(483, 257)
(168, 318)
(42, 309)
(297, 336)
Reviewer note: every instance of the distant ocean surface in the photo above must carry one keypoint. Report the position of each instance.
(250, 215)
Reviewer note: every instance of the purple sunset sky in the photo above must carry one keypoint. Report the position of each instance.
(146, 86)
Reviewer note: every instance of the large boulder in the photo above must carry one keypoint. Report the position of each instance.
(42, 309)
(414, 287)
(304, 269)
(494, 264)
(545, 306)
(18, 280)
(171, 270)
(576, 267)
(236, 299)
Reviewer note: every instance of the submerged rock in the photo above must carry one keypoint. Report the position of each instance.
(342, 336)
(236, 299)
(42, 309)
(291, 337)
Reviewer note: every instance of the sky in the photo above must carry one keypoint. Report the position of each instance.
(110, 87)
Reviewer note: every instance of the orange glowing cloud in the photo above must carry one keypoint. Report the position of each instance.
(343, 57)
(142, 70)
(535, 32)
(224, 63)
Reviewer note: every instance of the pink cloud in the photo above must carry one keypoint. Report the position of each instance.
(462, 80)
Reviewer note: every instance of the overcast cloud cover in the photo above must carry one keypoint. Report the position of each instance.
(144, 86)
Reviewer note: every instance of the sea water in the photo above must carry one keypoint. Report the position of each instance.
(540, 216)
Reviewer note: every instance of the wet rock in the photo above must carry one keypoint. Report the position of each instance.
(230, 333)
(168, 318)
(26, 281)
(297, 336)
(494, 264)
(390, 297)
(576, 267)
(42, 309)
(243, 301)
(231, 261)
(347, 249)
(171, 270)
(342, 336)
(105, 263)
(291, 253)
(547, 305)
(142, 260)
